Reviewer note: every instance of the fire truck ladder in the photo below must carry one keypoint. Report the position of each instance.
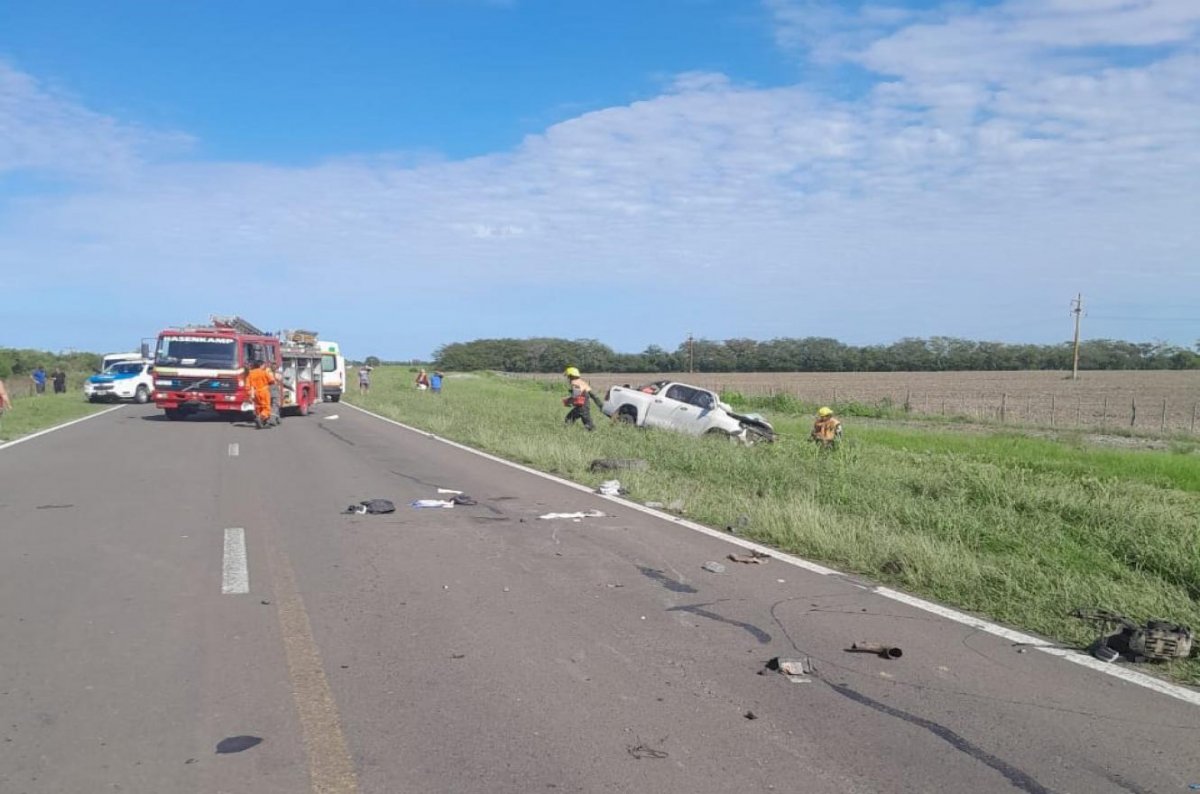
(237, 324)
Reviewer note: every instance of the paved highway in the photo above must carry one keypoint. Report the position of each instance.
(481, 649)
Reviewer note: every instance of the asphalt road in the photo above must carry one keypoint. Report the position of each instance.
(480, 649)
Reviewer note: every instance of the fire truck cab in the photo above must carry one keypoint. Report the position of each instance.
(202, 368)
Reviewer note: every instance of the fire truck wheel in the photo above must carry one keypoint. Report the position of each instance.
(142, 396)
(174, 414)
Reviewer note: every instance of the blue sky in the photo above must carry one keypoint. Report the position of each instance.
(402, 175)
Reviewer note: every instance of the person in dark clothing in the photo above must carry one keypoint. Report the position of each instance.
(581, 392)
(59, 378)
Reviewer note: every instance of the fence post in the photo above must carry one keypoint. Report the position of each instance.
(943, 406)
(1052, 410)
(1133, 411)
(1029, 408)
(1193, 418)
(908, 401)
(1078, 407)
(1104, 416)
(1162, 422)
(1003, 406)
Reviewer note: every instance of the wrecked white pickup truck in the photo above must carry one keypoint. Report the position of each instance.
(686, 409)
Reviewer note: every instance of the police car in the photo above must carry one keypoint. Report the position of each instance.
(124, 380)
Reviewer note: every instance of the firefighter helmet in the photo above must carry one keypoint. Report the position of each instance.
(824, 411)
(571, 372)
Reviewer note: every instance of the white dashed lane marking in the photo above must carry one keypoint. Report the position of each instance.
(235, 571)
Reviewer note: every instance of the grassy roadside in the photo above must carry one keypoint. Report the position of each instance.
(32, 413)
(1016, 528)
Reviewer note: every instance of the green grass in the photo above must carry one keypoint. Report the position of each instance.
(1017, 528)
(32, 413)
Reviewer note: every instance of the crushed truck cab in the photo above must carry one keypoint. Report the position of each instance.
(684, 409)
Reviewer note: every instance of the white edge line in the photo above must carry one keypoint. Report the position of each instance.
(32, 436)
(235, 573)
(1124, 673)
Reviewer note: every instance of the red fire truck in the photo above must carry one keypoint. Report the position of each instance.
(203, 368)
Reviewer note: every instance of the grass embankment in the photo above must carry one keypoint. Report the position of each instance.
(31, 413)
(1020, 529)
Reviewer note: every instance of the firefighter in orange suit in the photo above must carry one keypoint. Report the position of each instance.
(827, 430)
(259, 381)
(581, 392)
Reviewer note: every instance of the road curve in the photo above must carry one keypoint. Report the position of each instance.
(480, 648)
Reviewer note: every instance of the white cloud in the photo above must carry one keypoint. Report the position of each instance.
(42, 131)
(999, 148)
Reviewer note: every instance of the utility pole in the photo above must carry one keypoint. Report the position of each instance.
(1076, 309)
(691, 354)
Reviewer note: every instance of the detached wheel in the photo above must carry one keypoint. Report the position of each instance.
(142, 396)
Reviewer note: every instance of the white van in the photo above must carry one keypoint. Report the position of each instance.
(333, 370)
(113, 358)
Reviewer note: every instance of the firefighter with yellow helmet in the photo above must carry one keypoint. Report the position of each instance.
(827, 430)
(577, 400)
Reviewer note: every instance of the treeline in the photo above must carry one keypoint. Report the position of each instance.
(14, 362)
(810, 354)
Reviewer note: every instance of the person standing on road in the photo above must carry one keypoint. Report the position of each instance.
(827, 430)
(60, 381)
(38, 376)
(259, 381)
(581, 392)
(364, 379)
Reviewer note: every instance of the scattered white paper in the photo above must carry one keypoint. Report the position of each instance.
(449, 490)
(576, 516)
(432, 503)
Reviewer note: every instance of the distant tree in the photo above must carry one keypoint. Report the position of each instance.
(372, 361)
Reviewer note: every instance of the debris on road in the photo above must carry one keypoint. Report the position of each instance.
(611, 488)
(449, 491)
(576, 516)
(640, 751)
(51, 507)
(795, 670)
(331, 417)
(1154, 641)
(713, 567)
(610, 464)
(753, 558)
(371, 506)
(236, 744)
(884, 651)
(422, 503)
(750, 715)
(462, 499)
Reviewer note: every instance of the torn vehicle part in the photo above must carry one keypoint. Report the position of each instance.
(713, 567)
(795, 670)
(420, 503)
(1155, 640)
(611, 488)
(884, 651)
(372, 506)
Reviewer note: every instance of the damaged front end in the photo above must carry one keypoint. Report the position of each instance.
(754, 429)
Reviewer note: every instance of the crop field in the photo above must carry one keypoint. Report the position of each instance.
(1017, 526)
(1157, 401)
